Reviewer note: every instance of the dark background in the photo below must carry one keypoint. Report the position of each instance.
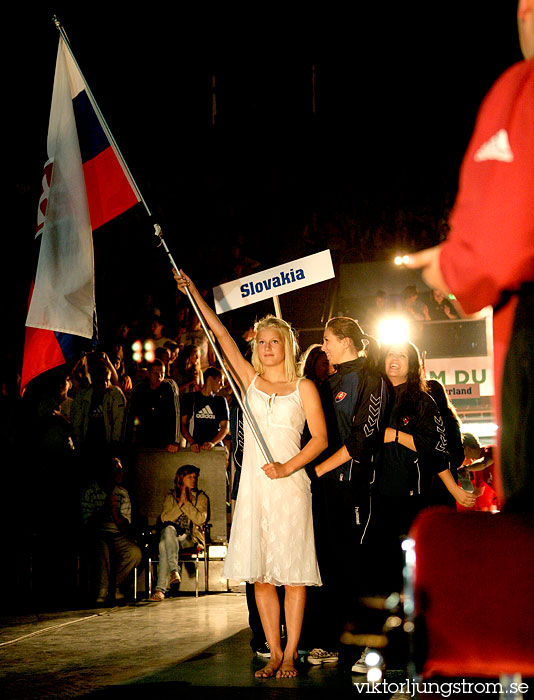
(398, 86)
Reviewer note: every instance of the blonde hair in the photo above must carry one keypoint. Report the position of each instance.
(289, 339)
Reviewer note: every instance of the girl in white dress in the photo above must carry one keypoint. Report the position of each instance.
(272, 540)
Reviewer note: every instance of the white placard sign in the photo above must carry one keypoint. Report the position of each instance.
(270, 283)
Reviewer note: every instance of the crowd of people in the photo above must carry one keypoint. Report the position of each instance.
(167, 391)
(344, 450)
(358, 447)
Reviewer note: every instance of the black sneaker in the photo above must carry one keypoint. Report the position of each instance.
(264, 651)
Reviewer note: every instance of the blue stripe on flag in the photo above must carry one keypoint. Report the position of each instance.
(90, 133)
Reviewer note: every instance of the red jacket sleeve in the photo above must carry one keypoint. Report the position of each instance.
(490, 248)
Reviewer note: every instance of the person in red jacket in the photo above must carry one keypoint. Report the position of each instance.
(488, 257)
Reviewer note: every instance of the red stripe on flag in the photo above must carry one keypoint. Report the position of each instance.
(41, 353)
(109, 192)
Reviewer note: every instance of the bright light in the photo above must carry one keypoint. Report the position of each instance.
(137, 348)
(374, 675)
(398, 260)
(373, 658)
(401, 259)
(480, 430)
(393, 330)
(150, 351)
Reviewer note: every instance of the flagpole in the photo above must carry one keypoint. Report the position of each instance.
(250, 419)
(157, 230)
(101, 119)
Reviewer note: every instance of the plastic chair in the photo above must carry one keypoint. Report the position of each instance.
(195, 555)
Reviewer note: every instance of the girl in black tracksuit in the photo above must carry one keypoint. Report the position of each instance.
(354, 401)
(413, 452)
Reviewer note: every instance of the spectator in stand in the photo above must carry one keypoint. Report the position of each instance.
(189, 376)
(125, 380)
(376, 312)
(478, 467)
(205, 416)
(185, 510)
(80, 377)
(106, 516)
(53, 477)
(98, 359)
(174, 351)
(182, 317)
(438, 307)
(97, 413)
(196, 336)
(412, 307)
(164, 354)
(240, 264)
(245, 339)
(153, 416)
(156, 332)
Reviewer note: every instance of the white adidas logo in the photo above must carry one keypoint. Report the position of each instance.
(497, 148)
(205, 412)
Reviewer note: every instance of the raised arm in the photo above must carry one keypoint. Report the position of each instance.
(243, 369)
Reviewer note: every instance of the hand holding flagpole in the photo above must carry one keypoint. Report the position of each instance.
(222, 361)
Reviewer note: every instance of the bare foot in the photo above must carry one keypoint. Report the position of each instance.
(269, 670)
(287, 669)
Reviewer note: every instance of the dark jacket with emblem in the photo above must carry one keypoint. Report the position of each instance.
(355, 401)
(403, 472)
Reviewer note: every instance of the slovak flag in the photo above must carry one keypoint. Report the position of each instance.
(85, 184)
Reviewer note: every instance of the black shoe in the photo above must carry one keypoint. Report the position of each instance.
(263, 651)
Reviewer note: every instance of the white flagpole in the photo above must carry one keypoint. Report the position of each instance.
(249, 417)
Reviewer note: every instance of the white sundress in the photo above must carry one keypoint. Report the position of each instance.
(272, 538)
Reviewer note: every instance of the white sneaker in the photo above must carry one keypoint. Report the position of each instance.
(264, 651)
(360, 666)
(320, 656)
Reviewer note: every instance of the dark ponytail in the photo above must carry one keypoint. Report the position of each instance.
(365, 345)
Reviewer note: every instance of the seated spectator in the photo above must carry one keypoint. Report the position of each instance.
(106, 516)
(185, 510)
(438, 307)
(205, 416)
(412, 305)
(189, 376)
(153, 416)
(156, 333)
(97, 412)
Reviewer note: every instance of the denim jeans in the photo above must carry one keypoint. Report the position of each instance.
(169, 550)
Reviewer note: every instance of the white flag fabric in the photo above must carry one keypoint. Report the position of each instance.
(63, 296)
